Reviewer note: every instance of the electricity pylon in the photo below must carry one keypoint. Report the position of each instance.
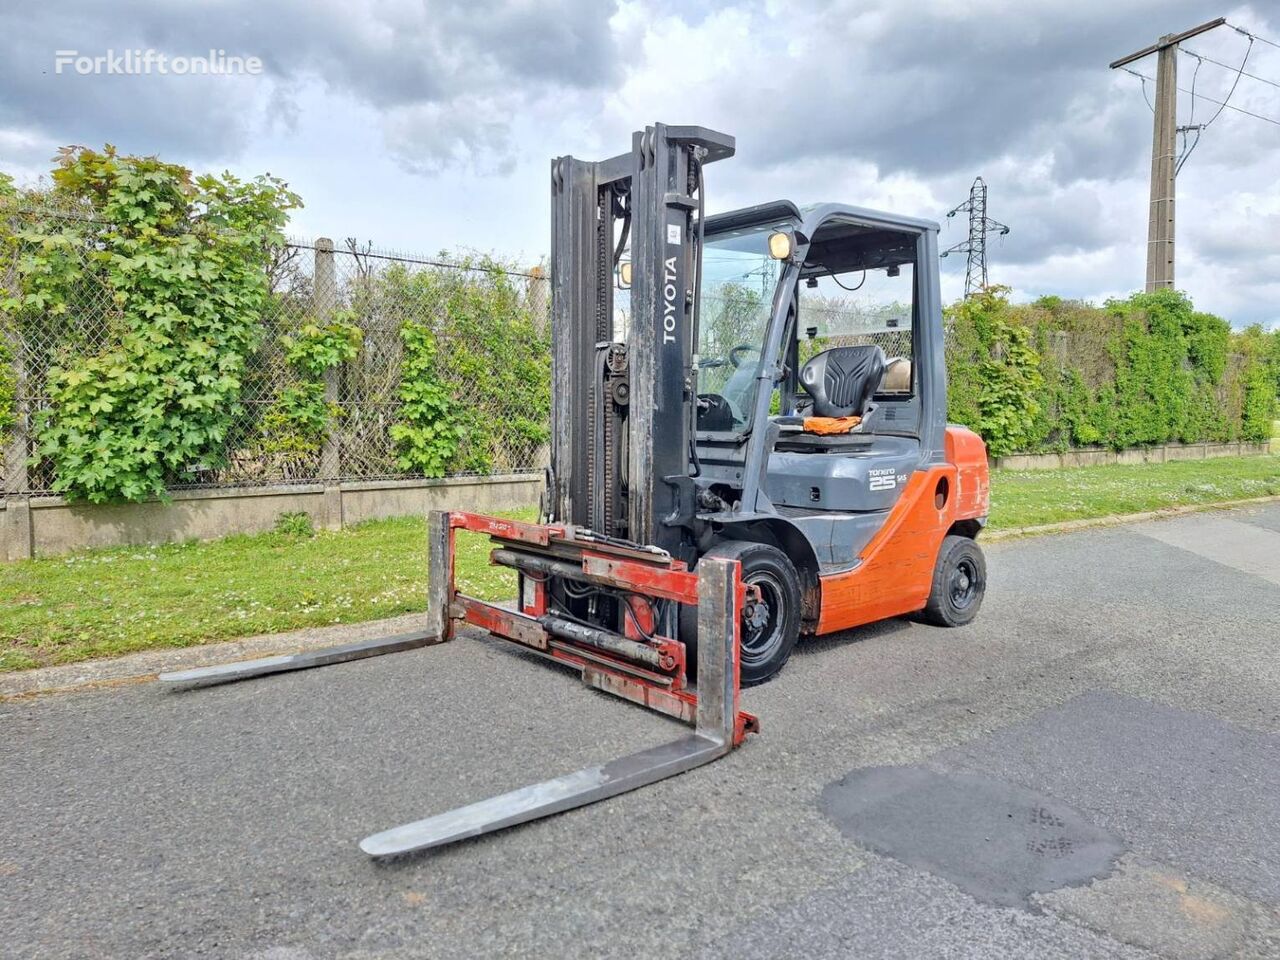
(975, 245)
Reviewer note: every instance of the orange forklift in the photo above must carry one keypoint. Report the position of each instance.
(749, 445)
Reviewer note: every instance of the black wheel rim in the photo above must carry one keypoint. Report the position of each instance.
(964, 584)
(762, 620)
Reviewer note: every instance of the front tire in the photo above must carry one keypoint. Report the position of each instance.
(959, 583)
(769, 629)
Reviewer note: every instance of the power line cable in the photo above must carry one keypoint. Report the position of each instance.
(1247, 113)
(1194, 76)
(1186, 152)
(1187, 149)
(1235, 83)
(1219, 63)
(1150, 106)
(1254, 36)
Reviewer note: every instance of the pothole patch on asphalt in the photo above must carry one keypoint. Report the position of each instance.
(997, 841)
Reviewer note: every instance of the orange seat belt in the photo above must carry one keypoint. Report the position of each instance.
(830, 425)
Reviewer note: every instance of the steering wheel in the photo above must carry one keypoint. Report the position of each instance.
(715, 412)
(735, 355)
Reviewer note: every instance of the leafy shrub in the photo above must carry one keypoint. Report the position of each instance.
(1145, 370)
(8, 325)
(1151, 380)
(491, 355)
(182, 260)
(1260, 379)
(996, 393)
(427, 437)
(295, 523)
(320, 347)
(296, 425)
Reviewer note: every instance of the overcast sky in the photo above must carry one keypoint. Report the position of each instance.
(429, 124)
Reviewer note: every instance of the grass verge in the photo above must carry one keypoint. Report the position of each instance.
(1029, 498)
(107, 602)
(101, 603)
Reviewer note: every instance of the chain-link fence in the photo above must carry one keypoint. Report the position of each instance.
(489, 358)
(449, 368)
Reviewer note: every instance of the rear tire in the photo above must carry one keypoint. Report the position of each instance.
(959, 583)
(769, 631)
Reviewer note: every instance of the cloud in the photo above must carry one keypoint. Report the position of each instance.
(432, 137)
(901, 105)
(883, 103)
(924, 87)
(441, 72)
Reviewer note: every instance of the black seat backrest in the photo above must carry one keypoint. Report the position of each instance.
(843, 380)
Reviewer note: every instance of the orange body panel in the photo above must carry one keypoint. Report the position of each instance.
(968, 454)
(896, 572)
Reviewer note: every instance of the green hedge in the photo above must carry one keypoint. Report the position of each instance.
(182, 261)
(1146, 370)
(165, 350)
(476, 380)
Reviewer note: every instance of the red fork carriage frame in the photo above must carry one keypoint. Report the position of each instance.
(638, 665)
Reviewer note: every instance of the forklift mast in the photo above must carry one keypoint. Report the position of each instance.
(622, 401)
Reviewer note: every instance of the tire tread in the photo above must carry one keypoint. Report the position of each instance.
(938, 611)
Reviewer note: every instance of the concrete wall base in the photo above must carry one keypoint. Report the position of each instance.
(1097, 456)
(48, 526)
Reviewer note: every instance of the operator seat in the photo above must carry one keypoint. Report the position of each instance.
(858, 472)
(843, 380)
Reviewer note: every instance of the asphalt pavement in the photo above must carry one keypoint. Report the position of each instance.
(1090, 770)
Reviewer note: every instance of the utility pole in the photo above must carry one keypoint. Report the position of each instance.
(975, 245)
(1160, 232)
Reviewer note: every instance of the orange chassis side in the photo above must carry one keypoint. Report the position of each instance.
(896, 569)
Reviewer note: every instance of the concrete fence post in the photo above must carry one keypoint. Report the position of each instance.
(324, 302)
(324, 305)
(14, 450)
(538, 298)
(16, 479)
(15, 523)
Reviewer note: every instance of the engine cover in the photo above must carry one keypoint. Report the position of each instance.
(844, 480)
